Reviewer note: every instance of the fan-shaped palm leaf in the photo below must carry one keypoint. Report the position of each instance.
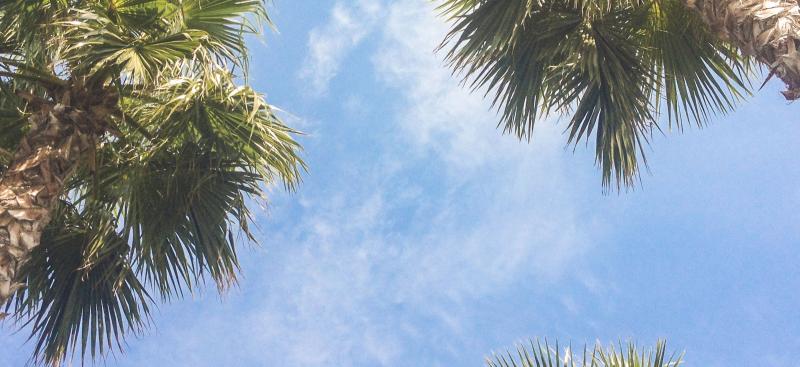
(607, 66)
(538, 354)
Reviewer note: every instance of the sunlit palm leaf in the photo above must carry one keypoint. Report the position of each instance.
(224, 21)
(236, 122)
(538, 354)
(101, 46)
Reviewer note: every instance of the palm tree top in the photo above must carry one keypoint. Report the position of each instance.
(182, 146)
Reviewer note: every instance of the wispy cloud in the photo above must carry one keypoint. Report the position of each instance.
(441, 115)
(329, 44)
(365, 262)
(382, 266)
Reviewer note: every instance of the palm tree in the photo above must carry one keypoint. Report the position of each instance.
(613, 68)
(128, 149)
(536, 354)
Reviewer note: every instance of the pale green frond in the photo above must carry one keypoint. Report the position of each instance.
(102, 48)
(543, 354)
(235, 121)
(225, 22)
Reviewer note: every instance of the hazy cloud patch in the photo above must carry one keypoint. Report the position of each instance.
(329, 44)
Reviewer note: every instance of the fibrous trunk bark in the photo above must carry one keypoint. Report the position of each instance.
(60, 135)
(768, 30)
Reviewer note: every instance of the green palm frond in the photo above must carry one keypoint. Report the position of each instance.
(82, 293)
(234, 121)
(12, 123)
(202, 199)
(140, 15)
(538, 354)
(606, 66)
(25, 29)
(699, 76)
(139, 38)
(101, 47)
(224, 23)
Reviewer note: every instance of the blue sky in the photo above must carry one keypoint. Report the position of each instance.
(423, 237)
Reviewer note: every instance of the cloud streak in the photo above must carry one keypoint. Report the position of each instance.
(329, 44)
(383, 264)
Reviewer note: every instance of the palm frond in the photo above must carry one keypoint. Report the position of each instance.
(235, 121)
(101, 47)
(604, 65)
(139, 38)
(201, 201)
(538, 354)
(12, 123)
(699, 76)
(82, 293)
(225, 23)
(25, 29)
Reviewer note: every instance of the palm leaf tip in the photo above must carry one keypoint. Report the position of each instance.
(536, 353)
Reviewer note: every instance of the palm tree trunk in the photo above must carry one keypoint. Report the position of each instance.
(59, 137)
(769, 30)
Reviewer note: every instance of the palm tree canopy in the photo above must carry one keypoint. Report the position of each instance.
(159, 205)
(611, 68)
(538, 354)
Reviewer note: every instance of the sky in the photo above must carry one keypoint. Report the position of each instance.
(422, 236)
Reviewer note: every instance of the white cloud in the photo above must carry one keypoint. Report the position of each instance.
(442, 115)
(329, 44)
(369, 271)
(386, 270)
